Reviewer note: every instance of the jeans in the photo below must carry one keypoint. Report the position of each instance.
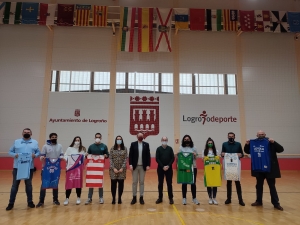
(91, 191)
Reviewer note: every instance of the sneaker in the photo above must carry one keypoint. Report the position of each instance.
(56, 202)
(101, 200)
(196, 201)
(215, 202)
(210, 201)
(171, 201)
(78, 201)
(31, 205)
(184, 201)
(228, 201)
(88, 201)
(241, 202)
(66, 202)
(158, 201)
(9, 207)
(40, 204)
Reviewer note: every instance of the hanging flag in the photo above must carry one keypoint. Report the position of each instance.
(247, 20)
(197, 19)
(294, 21)
(230, 20)
(99, 16)
(65, 14)
(263, 21)
(29, 12)
(145, 34)
(279, 20)
(181, 18)
(12, 13)
(127, 21)
(213, 19)
(2, 7)
(47, 13)
(163, 34)
(82, 15)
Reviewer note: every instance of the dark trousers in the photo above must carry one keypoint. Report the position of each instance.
(15, 187)
(193, 186)
(78, 192)
(43, 193)
(113, 188)
(260, 187)
(238, 189)
(169, 176)
(212, 192)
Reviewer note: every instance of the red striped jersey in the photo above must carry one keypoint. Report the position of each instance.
(94, 171)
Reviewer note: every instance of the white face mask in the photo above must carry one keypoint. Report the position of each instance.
(164, 142)
(97, 140)
(77, 143)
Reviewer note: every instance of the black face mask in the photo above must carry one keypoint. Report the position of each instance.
(187, 142)
(26, 136)
(53, 141)
(231, 139)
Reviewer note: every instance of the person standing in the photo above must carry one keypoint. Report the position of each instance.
(139, 163)
(271, 176)
(117, 169)
(98, 148)
(26, 146)
(232, 146)
(164, 159)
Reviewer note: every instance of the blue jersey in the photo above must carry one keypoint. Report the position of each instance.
(260, 155)
(51, 173)
(23, 166)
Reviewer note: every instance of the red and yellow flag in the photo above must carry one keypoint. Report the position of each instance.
(82, 15)
(99, 16)
(145, 34)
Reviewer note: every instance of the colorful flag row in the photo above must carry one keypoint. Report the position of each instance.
(28, 13)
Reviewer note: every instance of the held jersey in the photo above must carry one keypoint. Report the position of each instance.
(51, 173)
(260, 155)
(212, 171)
(74, 173)
(185, 168)
(24, 163)
(232, 167)
(94, 171)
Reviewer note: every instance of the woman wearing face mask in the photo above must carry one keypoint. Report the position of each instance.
(187, 146)
(210, 150)
(117, 169)
(74, 149)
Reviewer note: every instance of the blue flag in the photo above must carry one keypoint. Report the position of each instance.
(30, 13)
(294, 21)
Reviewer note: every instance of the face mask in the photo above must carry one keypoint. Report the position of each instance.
(26, 136)
(231, 139)
(164, 142)
(77, 143)
(53, 141)
(261, 137)
(140, 138)
(187, 142)
(97, 140)
(210, 145)
(119, 142)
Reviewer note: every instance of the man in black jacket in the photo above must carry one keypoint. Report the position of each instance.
(274, 148)
(139, 162)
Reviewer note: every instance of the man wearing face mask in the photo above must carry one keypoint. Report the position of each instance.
(97, 148)
(232, 146)
(270, 176)
(139, 163)
(51, 150)
(164, 158)
(27, 146)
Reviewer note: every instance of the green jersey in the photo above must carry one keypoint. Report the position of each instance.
(185, 168)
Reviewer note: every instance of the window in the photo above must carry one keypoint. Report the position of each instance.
(101, 81)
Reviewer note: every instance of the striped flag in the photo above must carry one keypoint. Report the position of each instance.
(247, 20)
(127, 21)
(2, 7)
(95, 171)
(181, 18)
(145, 30)
(65, 14)
(197, 19)
(263, 21)
(230, 20)
(213, 19)
(294, 21)
(29, 13)
(163, 33)
(279, 20)
(82, 15)
(47, 13)
(99, 16)
(12, 13)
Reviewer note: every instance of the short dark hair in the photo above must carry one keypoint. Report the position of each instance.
(52, 134)
(231, 133)
(27, 129)
(98, 134)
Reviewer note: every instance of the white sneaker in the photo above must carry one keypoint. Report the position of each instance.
(215, 202)
(210, 201)
(184, 201)
(88, 201)
(101, 200)
(66, 202)
(196, 201)
(78, 201)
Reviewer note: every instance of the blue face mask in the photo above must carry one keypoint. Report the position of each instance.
(119, 142)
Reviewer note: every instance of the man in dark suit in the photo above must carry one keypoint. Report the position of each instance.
(139, 162)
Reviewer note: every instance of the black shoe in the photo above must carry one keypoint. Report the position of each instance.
(120, 201)
(40, 204)
(228, 201)
(158, 201)
(256, 204)
(241, 202)
(9, 207)
(142, 200)
(113, 201)
(31, 205)
(133, 201)
(278, 207)
(56, 202)
(171, 201)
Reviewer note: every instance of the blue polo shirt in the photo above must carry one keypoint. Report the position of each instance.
(24, 146)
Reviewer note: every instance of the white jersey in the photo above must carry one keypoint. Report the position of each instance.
(232, 167)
